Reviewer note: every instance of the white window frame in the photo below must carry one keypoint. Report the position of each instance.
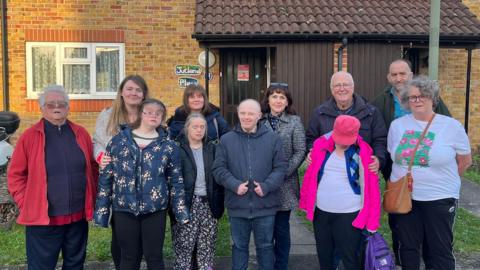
(60, 60)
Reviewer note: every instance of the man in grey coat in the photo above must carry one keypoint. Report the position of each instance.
(251, 166)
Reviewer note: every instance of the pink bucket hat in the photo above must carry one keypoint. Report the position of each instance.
(345, 129)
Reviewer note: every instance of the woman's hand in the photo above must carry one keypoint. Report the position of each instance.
(104, 161)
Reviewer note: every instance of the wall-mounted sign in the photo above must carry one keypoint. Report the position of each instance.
(190, 70)
(242, 73)
(186, 81)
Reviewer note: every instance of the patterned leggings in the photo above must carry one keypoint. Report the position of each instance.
(200, 231)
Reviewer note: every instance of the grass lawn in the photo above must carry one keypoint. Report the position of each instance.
(12, 251)
(473, 173)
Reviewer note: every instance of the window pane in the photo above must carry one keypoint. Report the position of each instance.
(76, 79)
(108, 65)
(76, 53)
(43, 67)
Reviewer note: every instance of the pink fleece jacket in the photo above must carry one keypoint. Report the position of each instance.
(369, 215)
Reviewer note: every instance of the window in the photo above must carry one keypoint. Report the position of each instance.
(86, 70)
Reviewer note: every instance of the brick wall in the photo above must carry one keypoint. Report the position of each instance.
(452, 77)
(156, 34)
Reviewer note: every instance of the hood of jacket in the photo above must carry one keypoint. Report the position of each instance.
(261, 130)
(359, 107)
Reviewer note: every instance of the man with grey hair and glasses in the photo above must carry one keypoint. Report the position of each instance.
(53, 180)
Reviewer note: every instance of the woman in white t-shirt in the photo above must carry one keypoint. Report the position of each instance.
(442, 156)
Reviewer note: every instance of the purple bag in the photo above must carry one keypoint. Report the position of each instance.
(378, 255)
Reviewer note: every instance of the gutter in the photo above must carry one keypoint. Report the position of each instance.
(340, 53)
(6, 99)
(455, 40)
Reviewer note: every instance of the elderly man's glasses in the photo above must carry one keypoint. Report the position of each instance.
(279, 85)
(153, 114)
(56, 104)
(418, 98)
(342, 85)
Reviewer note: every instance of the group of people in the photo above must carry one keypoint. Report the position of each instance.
(139, 168)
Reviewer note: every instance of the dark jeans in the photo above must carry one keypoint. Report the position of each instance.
(44, 244)
(281, 239)
(334, 234)
(262, 228)
(429, 224)
(140, 233)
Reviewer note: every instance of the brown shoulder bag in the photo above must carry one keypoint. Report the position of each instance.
(397, 198)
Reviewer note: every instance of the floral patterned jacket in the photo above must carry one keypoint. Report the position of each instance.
(141, 181)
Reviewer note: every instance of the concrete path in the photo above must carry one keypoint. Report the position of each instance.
(470, 197)
(303, 253)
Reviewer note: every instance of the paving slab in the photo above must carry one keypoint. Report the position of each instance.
(470, 197)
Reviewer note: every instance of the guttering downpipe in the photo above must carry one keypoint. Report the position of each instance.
(340, 53)
(467, 98)
(6, 101)
(207, 68)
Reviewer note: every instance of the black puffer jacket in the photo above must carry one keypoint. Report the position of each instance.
(215, 192)
(372, 125)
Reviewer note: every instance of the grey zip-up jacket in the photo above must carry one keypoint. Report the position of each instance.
(242, 157)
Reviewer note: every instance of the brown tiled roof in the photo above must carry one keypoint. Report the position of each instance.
(275, 18)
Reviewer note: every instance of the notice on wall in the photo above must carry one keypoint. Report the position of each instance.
(242, 73)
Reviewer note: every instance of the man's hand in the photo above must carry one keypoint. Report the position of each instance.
(375, 165)
(242, 188)
(258, 189)
(308, 159)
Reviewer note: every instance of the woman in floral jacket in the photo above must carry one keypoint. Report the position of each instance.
(144, 170)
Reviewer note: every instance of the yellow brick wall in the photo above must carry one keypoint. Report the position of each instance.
(157, 37)
(452, 77)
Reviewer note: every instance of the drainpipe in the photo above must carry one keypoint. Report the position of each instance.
(340, 53)
(207, 68)
(6, 102)
(467, 99)
(434, 39)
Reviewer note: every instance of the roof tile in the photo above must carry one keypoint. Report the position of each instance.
(322, 17)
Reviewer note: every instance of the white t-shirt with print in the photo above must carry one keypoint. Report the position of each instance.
(334, 193)
(434, 170)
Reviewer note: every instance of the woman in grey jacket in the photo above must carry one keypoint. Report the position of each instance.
(280, 117)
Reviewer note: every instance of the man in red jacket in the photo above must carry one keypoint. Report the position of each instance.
(53, 179)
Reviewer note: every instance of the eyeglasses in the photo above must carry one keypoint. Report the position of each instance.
(342, 85)
(155, 114)
(417, 98)
(279, 85)
(56, 104)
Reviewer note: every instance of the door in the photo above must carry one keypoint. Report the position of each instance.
(243, 75)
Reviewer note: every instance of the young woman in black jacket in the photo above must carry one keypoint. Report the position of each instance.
(203, 196)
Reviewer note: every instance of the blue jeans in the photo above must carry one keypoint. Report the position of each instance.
(281, 238)
(241, 229)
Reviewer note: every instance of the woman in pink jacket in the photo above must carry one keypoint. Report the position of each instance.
(340, 195)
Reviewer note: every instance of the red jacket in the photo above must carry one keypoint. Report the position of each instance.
(27, 176)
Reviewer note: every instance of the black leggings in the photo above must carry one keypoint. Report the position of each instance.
(335, 236)
(137, 233)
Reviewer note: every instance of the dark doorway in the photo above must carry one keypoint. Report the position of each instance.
(243, 75)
